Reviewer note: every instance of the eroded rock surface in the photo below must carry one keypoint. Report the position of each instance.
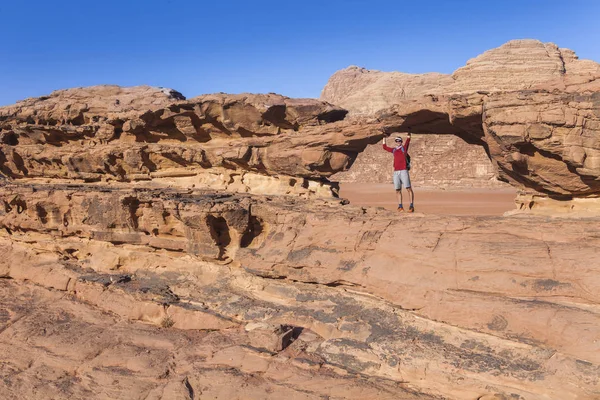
(532, 107)
(546, 142)
(259, 143)
(302, 298)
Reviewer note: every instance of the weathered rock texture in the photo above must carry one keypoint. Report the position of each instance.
(543, 140)
(253, 297)
(533, 106)
(547, 142)
(260, 143)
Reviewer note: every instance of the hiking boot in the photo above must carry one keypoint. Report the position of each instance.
(400, 209)
(411, 209)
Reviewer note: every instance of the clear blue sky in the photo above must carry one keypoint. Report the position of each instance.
(288, 47)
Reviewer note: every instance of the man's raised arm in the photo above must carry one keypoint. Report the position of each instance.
(407, 141)
(385, 147)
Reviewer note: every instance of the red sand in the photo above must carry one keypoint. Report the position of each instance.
(432, 201)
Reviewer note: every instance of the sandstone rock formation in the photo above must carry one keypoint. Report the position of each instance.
(260, 143)
(542, 142)
(122, 293)
(362, 91)
(154, 247)
(533, 106)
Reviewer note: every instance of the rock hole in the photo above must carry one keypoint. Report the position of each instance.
(132, 204)
(189, 388)
(66, 218)
(118, 132)
(295, 333)
(41, 213)
(19, 163)
(255, 228)
(71, 251)
(20, 204)
(219, 231)
(332, 116)
(78, 120)
(10, 139)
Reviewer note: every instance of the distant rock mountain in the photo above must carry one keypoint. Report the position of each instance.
(516, 65)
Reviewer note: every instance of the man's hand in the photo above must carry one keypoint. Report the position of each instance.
(383, 141)
(409, 134)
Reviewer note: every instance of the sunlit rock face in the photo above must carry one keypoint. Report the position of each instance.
(516, 65)
(248, 143)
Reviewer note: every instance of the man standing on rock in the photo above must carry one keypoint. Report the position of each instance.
(401, 176)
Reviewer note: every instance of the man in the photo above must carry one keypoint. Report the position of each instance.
(401, 176)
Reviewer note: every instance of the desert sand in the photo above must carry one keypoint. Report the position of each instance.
(461, 201)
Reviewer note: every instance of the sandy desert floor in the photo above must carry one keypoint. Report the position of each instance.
(433, 201)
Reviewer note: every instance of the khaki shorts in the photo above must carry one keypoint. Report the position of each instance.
(401, 178)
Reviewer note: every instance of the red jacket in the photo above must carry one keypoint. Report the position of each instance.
(399, 155)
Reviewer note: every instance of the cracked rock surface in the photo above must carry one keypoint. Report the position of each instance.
(114, 292)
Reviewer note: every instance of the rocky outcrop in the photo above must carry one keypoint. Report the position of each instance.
(543, 140)
(363, 91)
(522, 64)
(533, 107)
(260, 143)
(299, 298)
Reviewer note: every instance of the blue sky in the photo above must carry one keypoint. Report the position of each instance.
(287, 47)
